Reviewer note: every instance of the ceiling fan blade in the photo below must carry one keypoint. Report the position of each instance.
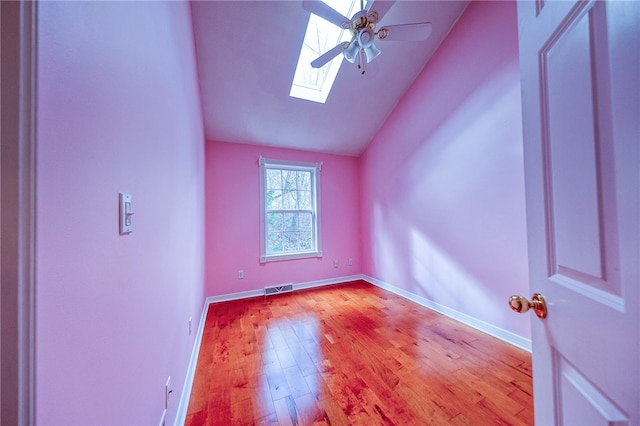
(326, 57)
(326, 12)
(382, 7)
(405, 32)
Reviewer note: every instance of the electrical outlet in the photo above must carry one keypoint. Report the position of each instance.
(350, 262)
(167, 392)
(240, 274)
(336, 263)
(190, 324)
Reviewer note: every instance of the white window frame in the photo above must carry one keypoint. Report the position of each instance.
(314, 84)
(316, 245)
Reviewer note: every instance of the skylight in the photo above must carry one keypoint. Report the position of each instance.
(314, 84)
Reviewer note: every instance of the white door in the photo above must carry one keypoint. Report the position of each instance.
(580, 65)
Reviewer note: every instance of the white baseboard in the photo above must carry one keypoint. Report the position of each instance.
(234, 296)
(183, 405)
(489, 329)
(497, 332)
(331, 281)
(299, 286)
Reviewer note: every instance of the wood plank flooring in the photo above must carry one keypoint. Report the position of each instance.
(353, 354)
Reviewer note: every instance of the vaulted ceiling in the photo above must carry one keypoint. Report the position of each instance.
(247, 53)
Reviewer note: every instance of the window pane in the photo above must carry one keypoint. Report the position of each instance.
(290, 241)
(304, 180)
(274, 179)
(274, 242)
(304, 200)
(274, 222)
(289, 177)
(274, 199)
(304, 222)
(304, 240)
(289, 200)
(290, 222)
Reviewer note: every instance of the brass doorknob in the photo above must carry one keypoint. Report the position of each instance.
(520, 304)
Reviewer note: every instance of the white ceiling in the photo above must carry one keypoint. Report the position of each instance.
(247, 53)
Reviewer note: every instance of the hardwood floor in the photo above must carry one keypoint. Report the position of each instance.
(353, 354)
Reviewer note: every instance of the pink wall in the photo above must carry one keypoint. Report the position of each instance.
(118, 110)
(233, 219)
(443, 211)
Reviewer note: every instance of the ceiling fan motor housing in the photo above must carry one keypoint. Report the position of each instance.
(363, 31)
(359, 21)
(365, 37)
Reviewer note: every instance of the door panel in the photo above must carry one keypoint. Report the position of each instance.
(575, 126)
(571, 143)
(580, 64)
(585, 405)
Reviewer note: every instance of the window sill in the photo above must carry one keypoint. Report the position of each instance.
(289, 256)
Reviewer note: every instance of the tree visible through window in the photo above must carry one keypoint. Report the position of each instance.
(289, 216)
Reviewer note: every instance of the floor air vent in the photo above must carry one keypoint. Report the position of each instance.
(277, 289)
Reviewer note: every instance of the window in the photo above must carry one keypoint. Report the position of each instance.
(289, 210)
(314, 84)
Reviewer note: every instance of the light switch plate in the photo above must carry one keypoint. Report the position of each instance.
(126, 213)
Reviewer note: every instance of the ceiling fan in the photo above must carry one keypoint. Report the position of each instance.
(362, 25)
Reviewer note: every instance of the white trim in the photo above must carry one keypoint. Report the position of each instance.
(292, 164)
(235, 296)
(183, 405)
(497, 332)
(300, 286)
(330, 281)
(314, 169)
(290, 256)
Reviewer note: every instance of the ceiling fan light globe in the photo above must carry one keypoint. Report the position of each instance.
(351, 52)
(372, 52)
